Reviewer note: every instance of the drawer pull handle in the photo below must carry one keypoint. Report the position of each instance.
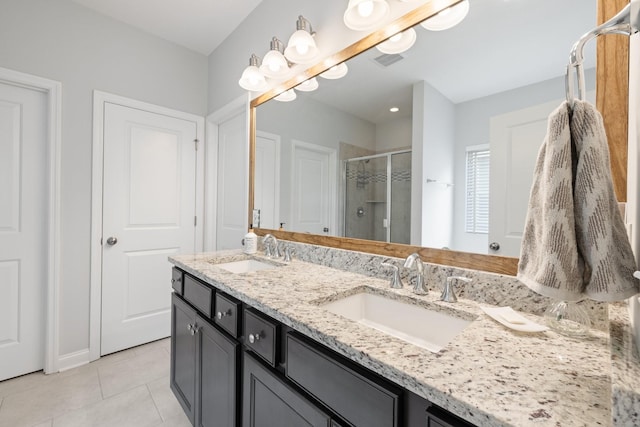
(193, 329)
(222, 314)
(255, 337)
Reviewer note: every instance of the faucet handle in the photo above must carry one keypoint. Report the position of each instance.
(448, 293)
(396, 281)
(288, 252)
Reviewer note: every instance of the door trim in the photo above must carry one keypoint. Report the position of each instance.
(97, 169)
(53, 89)
(239, 105)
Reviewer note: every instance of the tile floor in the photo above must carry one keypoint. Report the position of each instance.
(125, 389)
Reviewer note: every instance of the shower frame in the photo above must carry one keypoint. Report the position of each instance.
(388, 155)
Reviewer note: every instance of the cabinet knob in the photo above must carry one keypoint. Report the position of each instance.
(222, 314)
(176, 280)
(254, 337)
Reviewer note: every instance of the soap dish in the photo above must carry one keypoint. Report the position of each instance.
(513, 320)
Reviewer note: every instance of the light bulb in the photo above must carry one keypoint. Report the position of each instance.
(365, 8)
(302, 49)
(396, 38)
(447, 18)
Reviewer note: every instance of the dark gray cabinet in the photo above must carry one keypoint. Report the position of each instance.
(183, 355)
(216, 377)
(204, 368)
(270, 402)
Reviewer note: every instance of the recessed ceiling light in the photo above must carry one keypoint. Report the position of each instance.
(394, 109)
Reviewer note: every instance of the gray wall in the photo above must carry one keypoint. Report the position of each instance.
(62, 41)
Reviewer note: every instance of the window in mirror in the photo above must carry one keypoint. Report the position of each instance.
(477, 201)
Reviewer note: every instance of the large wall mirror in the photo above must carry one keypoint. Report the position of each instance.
(449, 173)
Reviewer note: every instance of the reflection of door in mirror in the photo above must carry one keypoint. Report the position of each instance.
(267, 180)
(313, 187)
(377, 191)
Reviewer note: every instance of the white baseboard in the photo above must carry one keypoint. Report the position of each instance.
(73, 360)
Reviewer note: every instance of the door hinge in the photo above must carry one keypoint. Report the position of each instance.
(196, 141)
(195, 221)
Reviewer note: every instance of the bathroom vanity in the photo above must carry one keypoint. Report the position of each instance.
(258, 346)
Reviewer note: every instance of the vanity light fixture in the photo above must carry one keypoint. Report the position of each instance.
(336, 72)
(450, 17)
(308, 85)
(286, 96)
(398, 43)
(252, 79)
(365, 14)
(301, 48)
(274, 64)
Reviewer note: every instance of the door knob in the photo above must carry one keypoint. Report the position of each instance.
(494, 246)
(112, 241)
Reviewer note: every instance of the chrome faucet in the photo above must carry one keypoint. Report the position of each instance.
(268, 251)
(419, 287)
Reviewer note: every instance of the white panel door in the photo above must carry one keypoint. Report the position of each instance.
(267, 180)
(516, 138)
(313, 189)
(149, 205)
(233, 175)
(23, 196)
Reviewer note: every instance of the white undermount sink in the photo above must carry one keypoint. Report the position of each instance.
(429, 329)
(246, 266)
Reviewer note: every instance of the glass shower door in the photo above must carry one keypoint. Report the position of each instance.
(366, 198)
(400, 198)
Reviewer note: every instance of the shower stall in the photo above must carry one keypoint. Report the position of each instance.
(377, 197)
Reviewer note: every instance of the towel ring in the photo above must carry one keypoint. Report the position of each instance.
(625, 22)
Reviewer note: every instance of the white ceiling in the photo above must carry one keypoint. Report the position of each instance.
(200, 25)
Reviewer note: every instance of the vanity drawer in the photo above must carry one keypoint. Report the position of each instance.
(261, 336)
(198, 294)
(176, 280)
(228, 314)
(358, 399)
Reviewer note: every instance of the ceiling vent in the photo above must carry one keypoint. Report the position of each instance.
(387, 59)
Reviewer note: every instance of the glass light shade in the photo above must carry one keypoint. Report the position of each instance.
(308, 85)
(274, 65)
(286, 96)
(252, 79)
(398, 43)
(450, 17)
(365, 14)
(336, 72)
(301, 48)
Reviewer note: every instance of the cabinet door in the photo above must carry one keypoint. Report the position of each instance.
(183, 354)
(269, 402)
(216, 371)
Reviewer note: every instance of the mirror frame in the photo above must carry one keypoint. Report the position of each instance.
(612, 101)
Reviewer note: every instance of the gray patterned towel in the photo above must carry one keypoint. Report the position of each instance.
(575, 244)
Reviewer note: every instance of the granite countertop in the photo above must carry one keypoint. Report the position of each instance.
(489, 375)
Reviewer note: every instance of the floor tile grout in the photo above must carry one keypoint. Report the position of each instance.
(155, 403)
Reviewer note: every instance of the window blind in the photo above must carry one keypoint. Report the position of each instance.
(477, 198)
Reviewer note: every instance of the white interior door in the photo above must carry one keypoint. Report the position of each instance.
(313, 188)
(267, 180)
(233, 176)
(149, 209)
(23, 242)
(516, 138)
